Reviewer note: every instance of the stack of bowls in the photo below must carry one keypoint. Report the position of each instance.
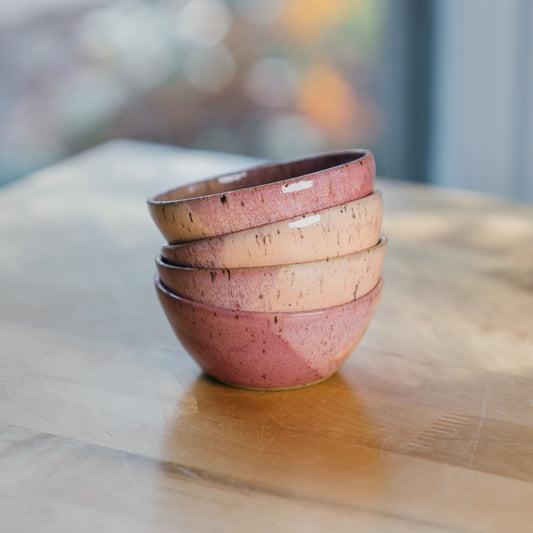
(271, 275)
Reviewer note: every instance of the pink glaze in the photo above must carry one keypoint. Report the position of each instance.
(262, 195)
(282, 288)
(331, 232)
(268, 350)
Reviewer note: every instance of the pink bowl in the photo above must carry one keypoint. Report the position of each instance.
(282, 288)
(331, 232)
(262, 194)
(268, 351)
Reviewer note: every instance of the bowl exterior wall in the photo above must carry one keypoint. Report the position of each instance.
(219, 214)
(332, 232)
(264, 350)
(301, 287)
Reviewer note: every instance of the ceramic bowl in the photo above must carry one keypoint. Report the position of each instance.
(331, 232)
(282, 288)
(262, 194)
(267, 350)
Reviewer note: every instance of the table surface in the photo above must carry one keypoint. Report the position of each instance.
(106, 424)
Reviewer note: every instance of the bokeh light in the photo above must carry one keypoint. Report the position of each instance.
(272, 82)
(269, 79)
(203, 22)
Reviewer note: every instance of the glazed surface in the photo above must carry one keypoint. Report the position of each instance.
(331, 232)
(268, 350)
(284, 288)
(330, 183)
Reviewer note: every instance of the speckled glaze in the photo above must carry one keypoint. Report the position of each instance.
(331, 232)
(266, 350)
(262, 194)
(282, 288)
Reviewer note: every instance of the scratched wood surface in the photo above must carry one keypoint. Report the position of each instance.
(106, 424)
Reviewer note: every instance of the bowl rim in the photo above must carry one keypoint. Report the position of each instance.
(359, 154)
(163, 289)
(382, 243)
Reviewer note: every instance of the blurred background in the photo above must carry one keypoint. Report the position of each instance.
(441, 90)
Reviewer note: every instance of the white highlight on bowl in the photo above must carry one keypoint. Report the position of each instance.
(305, 221)
(299, 186)
(232, 178)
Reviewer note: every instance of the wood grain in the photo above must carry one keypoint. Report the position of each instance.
(107, 425)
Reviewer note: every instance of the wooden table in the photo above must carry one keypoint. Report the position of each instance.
(106, 424)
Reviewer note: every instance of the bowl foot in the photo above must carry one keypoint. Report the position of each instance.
(275, 389)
